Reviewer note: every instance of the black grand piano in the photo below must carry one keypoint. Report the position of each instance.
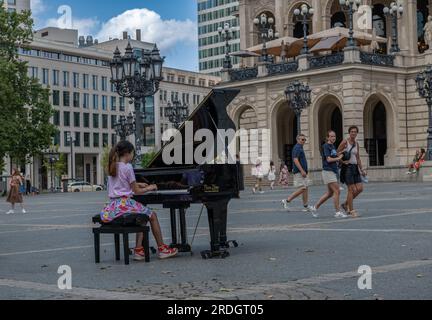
(209, 183)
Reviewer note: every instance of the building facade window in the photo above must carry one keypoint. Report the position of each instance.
(96, 140)
(66, 98)
(105, 141)
(113, 103)
(76, 99)
(95, 83)
(56, 76)
(77, 119)
(86, 120)
(85, 81)
(66, 79)
(76, 80)
(113, 120)
(104, 103)
(95, 102)
(77, 139)
(56, 97)
(86, 139)
(104, 121)
(45, 76)
(56, 118)
(95, 121)
(122, 104)
(104, 84)
(66, 118)
(86, 101)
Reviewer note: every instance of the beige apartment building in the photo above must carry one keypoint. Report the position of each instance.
(77, 72)
(373, 89)
(16, 5)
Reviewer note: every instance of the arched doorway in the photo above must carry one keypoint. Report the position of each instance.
(330, 118)
(377, 144)
(286, 133)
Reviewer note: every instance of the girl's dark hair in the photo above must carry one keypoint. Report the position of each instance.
(118, 151)
(423, 151)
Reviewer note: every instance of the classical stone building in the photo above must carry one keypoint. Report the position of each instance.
(374, 90)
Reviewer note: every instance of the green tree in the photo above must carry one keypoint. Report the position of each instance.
(25, 110)
(60, 167)
(105, 159)
(147, 158)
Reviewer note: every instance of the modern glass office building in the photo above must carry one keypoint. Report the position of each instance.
(213, 14)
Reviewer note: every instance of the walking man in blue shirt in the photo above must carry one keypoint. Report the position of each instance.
(301, 180)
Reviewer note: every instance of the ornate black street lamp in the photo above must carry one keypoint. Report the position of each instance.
(306, 13)
(177, 113)
(350, 6)
(265, 27)
(395, 11)
(137, 77)
(226, 34)
(125, 126)
(298, 96)
(424, 87)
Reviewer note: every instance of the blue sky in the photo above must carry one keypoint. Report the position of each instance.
(170, 23)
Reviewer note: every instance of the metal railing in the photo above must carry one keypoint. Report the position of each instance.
(282, 68)
(243, 74)
(377, 59)
(326, 61)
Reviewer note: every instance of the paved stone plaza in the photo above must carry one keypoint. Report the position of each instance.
(282, 255)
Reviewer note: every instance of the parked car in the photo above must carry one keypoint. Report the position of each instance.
(82, 186)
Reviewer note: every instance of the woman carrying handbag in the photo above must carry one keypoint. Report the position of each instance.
(352, 170)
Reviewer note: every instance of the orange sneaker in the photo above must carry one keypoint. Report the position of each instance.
(165, 252)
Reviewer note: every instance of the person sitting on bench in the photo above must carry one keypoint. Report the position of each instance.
(122, 186)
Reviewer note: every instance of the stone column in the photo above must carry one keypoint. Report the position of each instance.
(408, 28)
(318, 17)
(353, 107)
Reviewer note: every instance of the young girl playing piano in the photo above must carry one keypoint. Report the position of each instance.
(122, 186)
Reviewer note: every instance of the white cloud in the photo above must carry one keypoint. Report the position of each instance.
(166, 33)
(170, 35)
(37, 6)
(84, 26)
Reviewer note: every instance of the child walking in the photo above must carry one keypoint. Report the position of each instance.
(14, 195)
(272, 175)
(122, 186)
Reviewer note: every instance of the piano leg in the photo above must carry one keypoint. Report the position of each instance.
(184, 247)
(173, 227)
(217, 216)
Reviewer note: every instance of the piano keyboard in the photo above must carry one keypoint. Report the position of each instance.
(167, 192)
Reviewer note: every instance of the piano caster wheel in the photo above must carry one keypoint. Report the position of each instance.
(205, 255)
(235, 243)
(153, 250)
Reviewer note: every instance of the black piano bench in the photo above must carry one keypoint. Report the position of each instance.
(123, 226)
